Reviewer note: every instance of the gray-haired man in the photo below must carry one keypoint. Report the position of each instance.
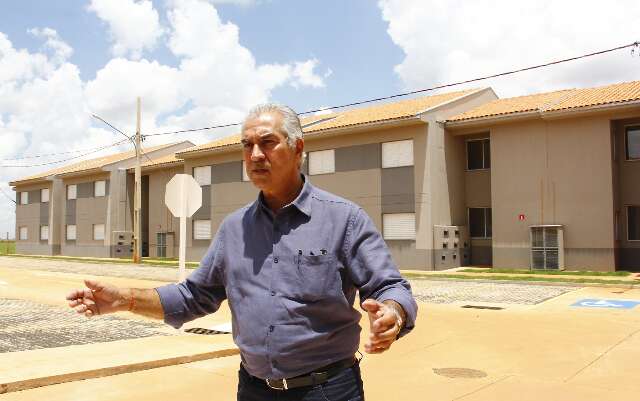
(290, 265)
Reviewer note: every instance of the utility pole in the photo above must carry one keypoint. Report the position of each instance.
(137, 196)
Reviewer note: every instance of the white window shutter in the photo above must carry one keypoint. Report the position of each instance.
(24, 233)
(98, 232)
(99, 188)
(44, 195)
(399, 226)
(397, 154)
(44, 232)
(322, 162)
(202, 175)
(24, 198)
(202, 229)
(72, 191)
(71, 232)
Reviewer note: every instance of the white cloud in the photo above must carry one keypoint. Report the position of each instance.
(304, 76)
(446, 41)
(134, 25)
(45, 106)
(61, 50)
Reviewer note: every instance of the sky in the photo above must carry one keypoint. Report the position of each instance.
(198, 63)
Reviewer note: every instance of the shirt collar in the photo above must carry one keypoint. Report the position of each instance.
(302, 202)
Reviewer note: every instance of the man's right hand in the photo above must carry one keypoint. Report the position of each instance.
(99, 299)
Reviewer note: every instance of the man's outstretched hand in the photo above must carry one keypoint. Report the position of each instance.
(386, 320)
(98, 299)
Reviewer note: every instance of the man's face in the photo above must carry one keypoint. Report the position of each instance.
(270, 162)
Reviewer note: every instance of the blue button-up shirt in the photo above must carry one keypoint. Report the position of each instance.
(291, 280)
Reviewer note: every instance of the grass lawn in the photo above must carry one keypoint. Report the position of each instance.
(7, 247)
(549, 272)
(161, 262)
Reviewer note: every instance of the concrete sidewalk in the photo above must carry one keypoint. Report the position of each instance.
(548, 351)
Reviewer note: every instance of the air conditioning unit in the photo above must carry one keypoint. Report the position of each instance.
(547, 247)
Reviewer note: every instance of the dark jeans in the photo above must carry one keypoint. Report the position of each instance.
(345, 386)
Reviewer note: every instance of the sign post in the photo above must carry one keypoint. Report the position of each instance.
(183, 197)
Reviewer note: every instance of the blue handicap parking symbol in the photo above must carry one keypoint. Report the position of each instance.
(606, 303)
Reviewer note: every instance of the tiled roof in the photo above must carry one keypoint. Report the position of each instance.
(555, 101)
(158, 161)
(90, 164)
(382, 112)
(611, 94)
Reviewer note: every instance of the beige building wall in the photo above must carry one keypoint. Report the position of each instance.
(160, 218)
(89, 211)
(553, 172)
(32, 216)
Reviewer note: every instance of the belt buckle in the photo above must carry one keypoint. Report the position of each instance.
(284, 385)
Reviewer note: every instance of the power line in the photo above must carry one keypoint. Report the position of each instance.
(66, 160)
(49, 154)
(634, 45)
(8, 197)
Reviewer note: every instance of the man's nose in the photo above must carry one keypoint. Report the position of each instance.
(256, 153)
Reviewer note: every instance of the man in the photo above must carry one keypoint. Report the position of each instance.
(290, 265)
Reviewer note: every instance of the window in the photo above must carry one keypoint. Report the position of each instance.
(322, 162)
(71, 232)
(72, 191)
(202, 229)
(44, 195)
(24, 233)
(99, 188)
(98, 232)
(399, 226)
(480, 222)
(632, 141)
(161, 245)
(44, 233)
(397, 154)
(24, 198)
(633, 223)
(245, 176)
(478, 154)
(202, 175)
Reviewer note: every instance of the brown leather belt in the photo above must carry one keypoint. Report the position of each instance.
(316, 377)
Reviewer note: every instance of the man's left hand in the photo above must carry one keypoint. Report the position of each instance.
(386, 320)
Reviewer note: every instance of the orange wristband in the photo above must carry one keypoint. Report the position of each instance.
(132, 301)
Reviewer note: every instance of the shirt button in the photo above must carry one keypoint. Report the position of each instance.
(275, 260)
(271, 329)
(273, 293)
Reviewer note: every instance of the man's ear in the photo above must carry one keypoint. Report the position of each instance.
(299, 146)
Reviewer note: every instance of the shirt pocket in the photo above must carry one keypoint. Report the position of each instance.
(317, 277)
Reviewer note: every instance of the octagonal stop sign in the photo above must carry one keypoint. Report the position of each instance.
(183, 195)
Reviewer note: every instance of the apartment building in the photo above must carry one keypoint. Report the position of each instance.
(553, 179)
(548, 180)
(83, 209)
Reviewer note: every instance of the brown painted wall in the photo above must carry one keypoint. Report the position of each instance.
(627, 181)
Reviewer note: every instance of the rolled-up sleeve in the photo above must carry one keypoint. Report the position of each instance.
(201, 293)
(372, 269)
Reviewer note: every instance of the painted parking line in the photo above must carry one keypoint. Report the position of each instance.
(606, 303)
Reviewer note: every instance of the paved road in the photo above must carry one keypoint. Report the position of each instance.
(30, 323)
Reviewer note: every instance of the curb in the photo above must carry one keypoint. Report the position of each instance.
(631, 285)
(28, 384)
